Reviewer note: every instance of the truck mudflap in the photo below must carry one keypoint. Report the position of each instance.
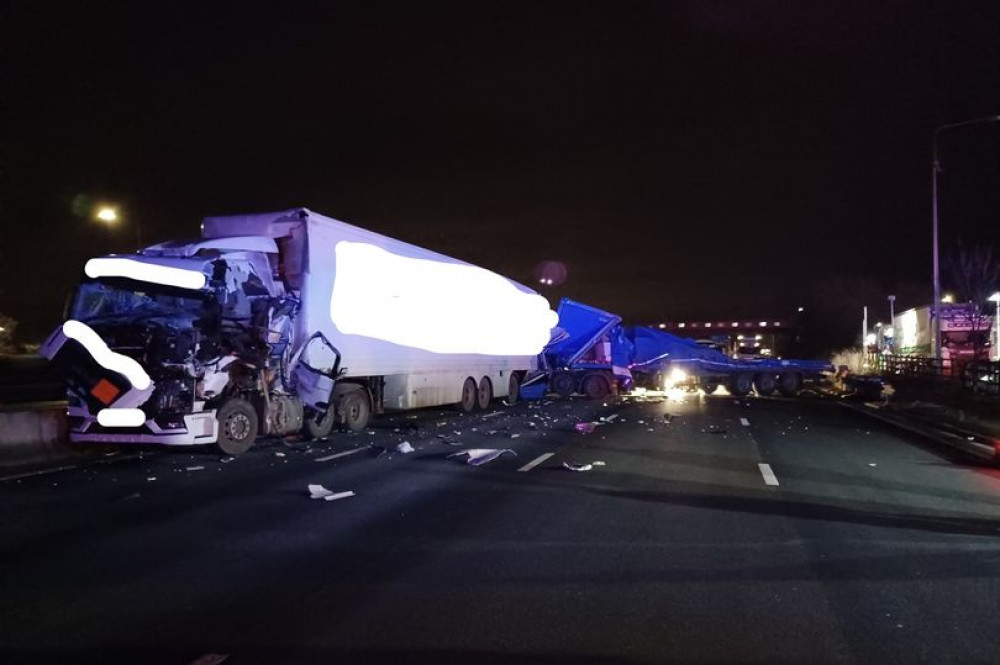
(108, 383)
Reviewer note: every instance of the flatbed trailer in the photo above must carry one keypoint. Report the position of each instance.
(596, 356)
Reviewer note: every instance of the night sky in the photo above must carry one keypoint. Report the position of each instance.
(706, 158)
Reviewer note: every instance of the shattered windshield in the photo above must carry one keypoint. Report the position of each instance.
(108, 298)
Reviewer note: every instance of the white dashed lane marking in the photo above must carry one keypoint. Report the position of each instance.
(535, 462)
(343, 454)
(769, 477)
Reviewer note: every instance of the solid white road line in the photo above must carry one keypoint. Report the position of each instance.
(535, 462)
(343, 454)
(744, 422)
(769, 477)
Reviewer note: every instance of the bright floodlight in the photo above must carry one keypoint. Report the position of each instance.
(107, 214)
(993, 298)
(948, 298)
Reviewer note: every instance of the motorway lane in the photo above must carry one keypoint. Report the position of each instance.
(675, 550)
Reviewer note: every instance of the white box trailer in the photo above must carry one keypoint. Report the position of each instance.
(284, 321)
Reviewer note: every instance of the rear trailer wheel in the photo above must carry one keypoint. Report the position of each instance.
(319, 425)
(469, 395)
(485, 394)
(740, 384)
(709, 388)
(789, 383)
(765, 383)
(563, 384)
(596, 387)
(513, 389)
(237, 426)
(355, 411)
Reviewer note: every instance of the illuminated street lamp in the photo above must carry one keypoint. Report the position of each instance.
(935, 169)
(111, 215)
(107, 214)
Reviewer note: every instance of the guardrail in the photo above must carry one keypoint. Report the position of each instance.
(979, 377)
(29, 379)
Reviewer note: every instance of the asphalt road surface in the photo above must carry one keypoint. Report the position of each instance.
(716, 531)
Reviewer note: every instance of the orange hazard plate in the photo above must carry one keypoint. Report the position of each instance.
(105, 391)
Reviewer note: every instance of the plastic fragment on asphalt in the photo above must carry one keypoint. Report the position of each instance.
(195, 468)
(151, 478)
(585, 428)
(480, 456)
(320, 492)
(404, 448)
(490, 415)
(515, 436)
(279, 454)
(872, 464)
(598, 463)
(610, 419)
(578, 467)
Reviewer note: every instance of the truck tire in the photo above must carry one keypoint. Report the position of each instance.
(789, 384)
(709, 388)
(319, 425)
(740, 384)
(354, 410)
(469, 396)
(595, 387)
(765, 383)
(237, 426)
(564, 384)
(513, 388)
(485, 394)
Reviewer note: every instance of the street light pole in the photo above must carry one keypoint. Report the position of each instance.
(892, 320)
(935, 169)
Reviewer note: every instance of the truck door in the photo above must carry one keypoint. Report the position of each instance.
(316, 372)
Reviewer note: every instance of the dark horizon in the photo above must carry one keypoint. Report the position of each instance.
(683, 160)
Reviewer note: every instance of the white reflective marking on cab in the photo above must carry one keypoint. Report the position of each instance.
(107, 358)
(121, 417)
(145, 272)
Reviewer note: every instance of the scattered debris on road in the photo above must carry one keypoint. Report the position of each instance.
(480, 456)
(404, 448)
(194, 468)
(578, 467)
(320, 492)
(585, 428)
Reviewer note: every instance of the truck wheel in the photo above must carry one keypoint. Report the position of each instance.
(765, 383)
(709, 388)
(355, 411)
(563, 384)
(319, 425)
(789, 383)
(513, 389)
(485, 394)
(237, 426)
(596, 387)
(469, 395)
(740, 384)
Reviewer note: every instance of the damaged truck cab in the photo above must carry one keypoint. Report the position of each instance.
(206, 336)
(241, 334)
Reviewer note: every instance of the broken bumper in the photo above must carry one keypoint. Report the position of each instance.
(199, 429)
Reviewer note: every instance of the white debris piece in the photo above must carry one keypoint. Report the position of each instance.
(515, 436)
(578, 467)
(195, 468)
(872, 464)
(404, 448)
(320, 492)
(598, 463)
(490, 415)
(151, 478)
(480, 456)
(279, 454)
